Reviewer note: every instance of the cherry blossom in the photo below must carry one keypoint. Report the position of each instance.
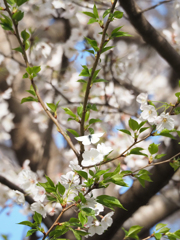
(91, 157)
(19, 197)
(39, 208)
(149, 113)
(164, 121)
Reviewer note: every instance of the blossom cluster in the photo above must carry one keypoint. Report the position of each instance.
(149, 113)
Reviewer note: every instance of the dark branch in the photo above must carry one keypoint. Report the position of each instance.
(150, 35)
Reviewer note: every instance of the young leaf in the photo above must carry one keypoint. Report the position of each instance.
(95, 11)
(137, 151)
(52, 106)
(133, 124)
(73, 132)
(99, 80)
(29, 99)
(92, 120)
(106, 49)
(61, 188)
(90, 14)
(69, 112)
(92, 20)
(37, 218)
(18, 16)
(83, 174)
(20, 2)
(125, 131)
(30, 232)
(93, 44)
(153, 148)
(118, 14)
(106, 13)
(25, 35)
(109, 201)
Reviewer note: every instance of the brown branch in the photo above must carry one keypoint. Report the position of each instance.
(90, 78)
(151, 35)
(156, 5)
(47, 221)
(34, 86)
(138, 196)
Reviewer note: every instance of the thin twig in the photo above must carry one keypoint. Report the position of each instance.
(90, 79)
(34, 86)
(154, 6)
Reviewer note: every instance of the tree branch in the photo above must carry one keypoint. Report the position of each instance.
(150, 35)
(138, 196)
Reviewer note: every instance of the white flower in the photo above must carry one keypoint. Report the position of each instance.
(103, 149)
(91, 157)
(142, 98)
(39, 193)
(39, 208)
(19, 197)
(74, 165)
(149, 113)
(107, 220)
(95, 228)
(70, 178)
(164, 121)
(98, 208)
(88, 139)
(27, 179)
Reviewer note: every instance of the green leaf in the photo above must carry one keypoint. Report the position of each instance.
(69, 112)
(142, 176)
(19, 49)
(6, 23)
(99, 80)
(29, 99)
(177, 233)
(20, 2)
(27, 223)
(91, 130)
(92, 120)
(27, 45)
(175, 164)
(82, 81)
(25, 35)
(133, 124)
(11, 2)
(82, 218)
(157, 236)
(133, 231)
(25, 75)
(73, 132)
(88, 211)
(125, 131)
(118, 180)
(85, 71)
(37, 218)
(80, 110)
(91, 172)
(87, 116)
(83, 199)
(90, 14)
(116, 30)
(96, 73)
(143, 129)
(106, 13)
(59, 231)
(166, 133)
(164, 230)
(118, 14)
(90, 51)
(93, 44)
(83, 174)
(137, 151)
(153, 148)
(106, 49)
(76, 234)
(92, 107)
(109, 201)
(159, 226)
(95, 11)
(158, 156)
(171, 236)
(61, 188)
(120, 34)
(30, 232)
(31, 92)
(18, 16)
(52, 106)
(141, 124)
(51, 183)
(92, 20)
